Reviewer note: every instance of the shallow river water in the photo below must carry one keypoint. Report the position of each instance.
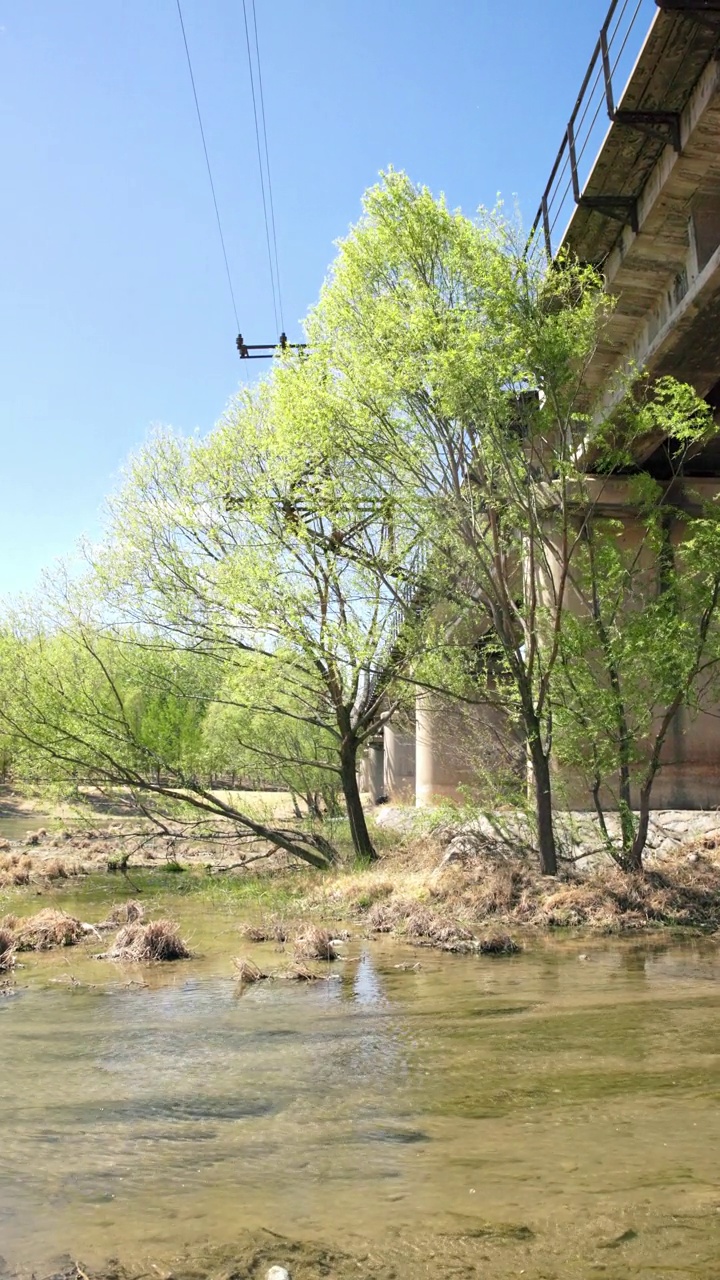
(546, 1115)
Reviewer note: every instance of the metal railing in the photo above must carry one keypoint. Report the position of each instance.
(620, 40)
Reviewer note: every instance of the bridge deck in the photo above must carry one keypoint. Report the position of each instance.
(671, 62)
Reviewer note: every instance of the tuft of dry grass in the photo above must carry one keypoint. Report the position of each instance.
(383, 916)
(48, 929)
(300, 972)
(9, 922)
(7, 950)
(158, 940)
(246, 971)
(315, 943)
(55, 869)
(126, 913)
(499, 944)
(35, 837)
(268, 929)
(15, 869)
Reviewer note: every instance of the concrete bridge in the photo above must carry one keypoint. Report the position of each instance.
(647, 212)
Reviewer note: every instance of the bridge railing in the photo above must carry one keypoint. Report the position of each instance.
(619, 43)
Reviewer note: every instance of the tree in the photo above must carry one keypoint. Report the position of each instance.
(465, 359)
(642, 642)
(251, 730)
(238, 544)
(85, 708)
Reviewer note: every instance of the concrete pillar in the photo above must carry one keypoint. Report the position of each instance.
(375, 765)
(460, 748)
(400, 761)
(363, 775)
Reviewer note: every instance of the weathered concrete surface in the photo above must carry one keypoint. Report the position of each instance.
(665, 276)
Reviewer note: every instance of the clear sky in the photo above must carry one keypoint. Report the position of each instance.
(115, 311)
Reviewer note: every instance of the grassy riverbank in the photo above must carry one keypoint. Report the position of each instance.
(413, 893)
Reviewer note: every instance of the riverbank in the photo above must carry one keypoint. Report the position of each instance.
(445, 885)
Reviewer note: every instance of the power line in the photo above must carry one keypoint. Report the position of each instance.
(260, 164)
(207, 162)
(267, 167)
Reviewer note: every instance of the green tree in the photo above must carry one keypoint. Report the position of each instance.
(84, 708)
(464, 359)
(642, 643)
(253, 730)
(238, 544)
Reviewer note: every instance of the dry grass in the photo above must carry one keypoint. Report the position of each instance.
(246, 971)
(126, 913)
(269, 929)
(315, 943)
(58, 869)
(300, 972)
(447, 906)
(55, 869)
(7, 950)
(499, 944)
(158, 940)
(15, 869)
(48, 929)
(36, 837)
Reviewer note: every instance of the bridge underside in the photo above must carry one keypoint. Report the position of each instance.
(649, 215)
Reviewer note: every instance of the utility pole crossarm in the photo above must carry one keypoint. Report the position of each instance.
(266, 350)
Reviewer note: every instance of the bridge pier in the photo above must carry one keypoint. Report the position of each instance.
(371, 778)
(400, 743)
(440, 770)
(462, 749)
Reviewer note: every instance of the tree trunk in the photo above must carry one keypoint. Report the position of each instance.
(634, 860)
(543, 808)
(362, 844)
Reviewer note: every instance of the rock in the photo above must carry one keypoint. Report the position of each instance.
(467, 845)
(396, 818)
(278, 1273)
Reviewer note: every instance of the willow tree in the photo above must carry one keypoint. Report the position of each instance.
(84, 707)
(466, 357)
(238, 543)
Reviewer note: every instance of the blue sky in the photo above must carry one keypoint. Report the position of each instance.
(115, 308)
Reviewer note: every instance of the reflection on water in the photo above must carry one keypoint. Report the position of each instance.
(546, 1114)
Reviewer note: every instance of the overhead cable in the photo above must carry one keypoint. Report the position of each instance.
(267, 167)
(260, 166)
(207, 162)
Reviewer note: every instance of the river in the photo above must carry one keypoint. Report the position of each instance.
(553, 1114)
